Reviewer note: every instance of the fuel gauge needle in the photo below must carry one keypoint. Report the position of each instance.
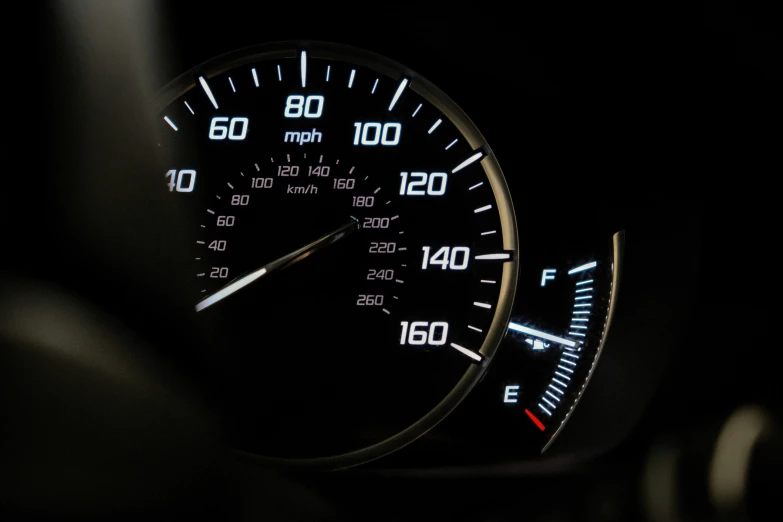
(541, 335)
(278, 264)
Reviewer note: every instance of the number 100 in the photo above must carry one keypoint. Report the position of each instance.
(374, 133)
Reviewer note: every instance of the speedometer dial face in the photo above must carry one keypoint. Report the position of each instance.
(355, 248)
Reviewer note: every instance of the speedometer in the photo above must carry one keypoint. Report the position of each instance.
(354, 247)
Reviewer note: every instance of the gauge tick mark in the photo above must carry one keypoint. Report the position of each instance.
(398, 93)
(535, 420)
(477, 156)
(207, 90)
(493, 257)
(470, 353)
(303, 67)
(582, 268)
(171, 123)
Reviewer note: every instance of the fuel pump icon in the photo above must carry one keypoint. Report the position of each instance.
(536, 344)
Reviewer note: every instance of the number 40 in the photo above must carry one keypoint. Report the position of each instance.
(182, 181)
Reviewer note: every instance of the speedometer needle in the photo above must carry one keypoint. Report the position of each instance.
(278, 264)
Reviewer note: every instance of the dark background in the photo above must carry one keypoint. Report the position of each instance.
(673, 115)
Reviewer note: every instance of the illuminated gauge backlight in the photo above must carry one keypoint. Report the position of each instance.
(354, 247)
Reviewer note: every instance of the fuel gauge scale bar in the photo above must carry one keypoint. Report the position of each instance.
(559, 333)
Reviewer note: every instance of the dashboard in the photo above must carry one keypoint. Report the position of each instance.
(395, 258)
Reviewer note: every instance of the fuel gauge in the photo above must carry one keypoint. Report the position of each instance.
(555, 337)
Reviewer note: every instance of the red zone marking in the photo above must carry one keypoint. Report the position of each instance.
(535, 420)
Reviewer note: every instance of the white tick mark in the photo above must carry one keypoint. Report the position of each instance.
(467, 162)
(207, 90)
(398, 93)
(168, 120)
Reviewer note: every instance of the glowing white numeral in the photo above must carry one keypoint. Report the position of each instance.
(218, 272)
(376, 222)
(262, 183)
(455, 258)
(218, 245)
(321, 171)
(375, 133)
(239, 200)
(435, 183)
(236, 129)
(380, 275)
(344, 184)
(363, 201)
(382, 248)
(423, 332)
(288, 170)
(225, 221)
(297, 106)
(181, 181)
(369, 300)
